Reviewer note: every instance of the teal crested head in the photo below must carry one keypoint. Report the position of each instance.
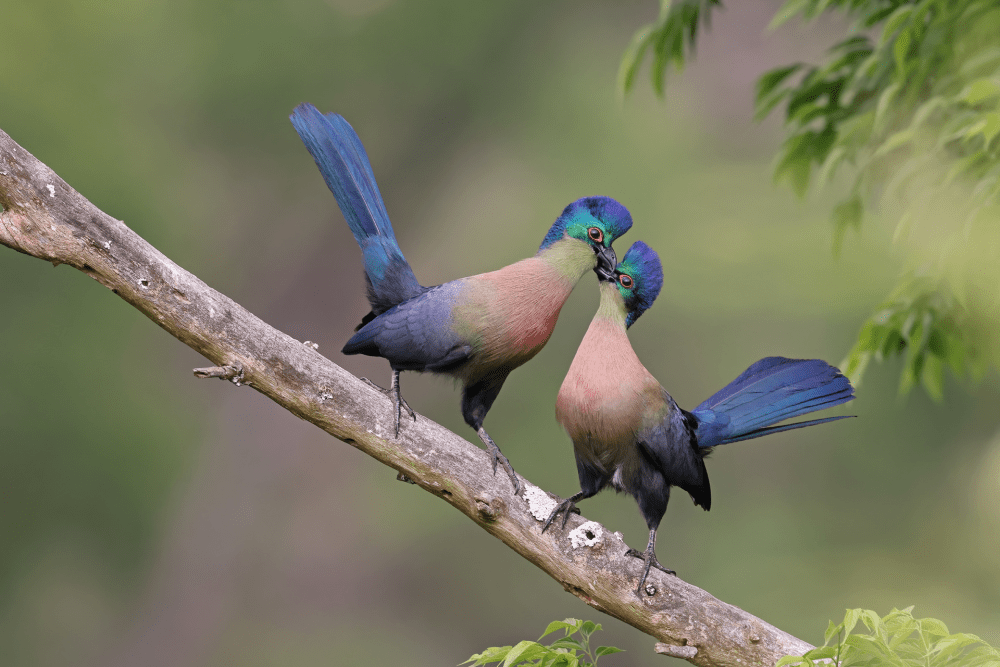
(597, 221)
(638, 278)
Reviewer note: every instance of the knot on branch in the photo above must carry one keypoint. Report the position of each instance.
(232, 373)
(489, 509)
(683, 652)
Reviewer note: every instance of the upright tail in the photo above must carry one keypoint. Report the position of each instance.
(770, 391)
(342, 160)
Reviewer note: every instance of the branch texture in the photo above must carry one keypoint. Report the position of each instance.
(44, 217)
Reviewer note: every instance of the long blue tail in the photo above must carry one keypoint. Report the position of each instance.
(770, 391)
(342, 160)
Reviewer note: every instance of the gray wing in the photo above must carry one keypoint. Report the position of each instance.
(416, 335)
(672, 445)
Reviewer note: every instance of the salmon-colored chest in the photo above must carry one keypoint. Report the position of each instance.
(607, 389)
(511, 313)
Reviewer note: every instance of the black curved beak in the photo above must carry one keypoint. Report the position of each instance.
(606, 263)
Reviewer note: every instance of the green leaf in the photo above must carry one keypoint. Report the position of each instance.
(984, 60)
(773, 78)
(991, 127)
(932, 626)
(933, 378)
(492, 654)
(568, 643)
(795, 163)
(925, 110)
(851, 619)
(790, 9)
(632, 59)
(833, 160)
(790, 660)
(937, 343)
(846, 215)
(832, 631)
(524, 651)
(570, 625)
(979, 91)
(901, 49)
(606, 650)
(895, 141)
(885, 101)
(894, 23)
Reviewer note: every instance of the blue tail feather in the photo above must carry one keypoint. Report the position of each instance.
(345, 167)
(770, 391)
(778, 429)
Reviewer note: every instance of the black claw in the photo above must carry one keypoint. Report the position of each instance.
(498, 457)
(567, 506)
(396, 397)
(649, 559)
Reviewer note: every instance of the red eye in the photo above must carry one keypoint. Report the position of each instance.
(626, 280)
(596, 234)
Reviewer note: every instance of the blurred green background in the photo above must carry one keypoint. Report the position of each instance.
(152, 519)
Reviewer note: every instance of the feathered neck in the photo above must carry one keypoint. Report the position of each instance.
(612, 306)
(571, 258)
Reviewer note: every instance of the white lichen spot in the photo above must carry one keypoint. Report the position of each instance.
(589, 534)
(52, 190)
(107, 245)
(540, 504)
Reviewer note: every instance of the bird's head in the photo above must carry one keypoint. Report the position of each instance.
(597, 221)
(638, 279)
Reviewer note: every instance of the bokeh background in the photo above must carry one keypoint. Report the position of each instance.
(149, 518)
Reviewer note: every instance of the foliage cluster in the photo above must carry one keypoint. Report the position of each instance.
(564, 652)
(909, 104)
(897, 639)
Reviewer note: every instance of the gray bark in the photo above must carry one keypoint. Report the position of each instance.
(44, 217)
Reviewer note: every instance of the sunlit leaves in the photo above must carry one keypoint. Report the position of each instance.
(567, 651)
(908, 106)
(670, 39)
(896, 639)
(934, 90)
(922, 322)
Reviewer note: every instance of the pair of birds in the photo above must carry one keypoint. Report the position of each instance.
(627, 432)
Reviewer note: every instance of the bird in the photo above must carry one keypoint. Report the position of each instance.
(629, 434)
(476, 329)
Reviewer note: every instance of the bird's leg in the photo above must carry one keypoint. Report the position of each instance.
(498, 457)
(649, 557)
(400, 402)
(396, 396)
(568, 506)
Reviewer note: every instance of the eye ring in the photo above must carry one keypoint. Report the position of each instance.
(626, 281)
(596, 234)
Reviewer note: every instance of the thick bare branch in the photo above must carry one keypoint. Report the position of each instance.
(42, 216)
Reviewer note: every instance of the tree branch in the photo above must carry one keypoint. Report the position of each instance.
(44, 217)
